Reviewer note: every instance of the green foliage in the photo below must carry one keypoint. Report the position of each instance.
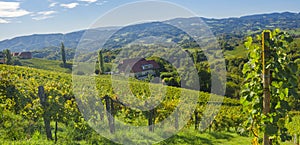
(171, 78)
(16, 61)
(63, 54)
(232, 90)
(101, 62)
(18, 95)
(8, 57)
(197, 55)
(13, 126)
(294, 127)
(53, 53)
(282, 88)
(204, 74)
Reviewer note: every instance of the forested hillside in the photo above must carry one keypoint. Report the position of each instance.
(228, 27)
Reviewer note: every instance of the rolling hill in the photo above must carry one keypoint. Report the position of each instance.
(238, 27)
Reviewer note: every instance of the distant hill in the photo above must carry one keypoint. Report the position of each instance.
(239, 27)
(41, 41)
(254, 23)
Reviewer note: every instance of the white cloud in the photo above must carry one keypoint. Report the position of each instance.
(43, 15)
(101, 3)
(11, 9)
(3, 21)
(46, 12)
(70, 5)
(53, 4)
(88, 1)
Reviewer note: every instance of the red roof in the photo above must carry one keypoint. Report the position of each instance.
(26, 55)
(136, 65)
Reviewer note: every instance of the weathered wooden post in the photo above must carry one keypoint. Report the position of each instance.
(55, 132)
(176, 119)
(196, 120)
(266, 79)
(151, 118)
(108, 104)
(112, 112)
(46, 115)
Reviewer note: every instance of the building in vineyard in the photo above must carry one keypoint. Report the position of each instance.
(22, 55)
(139, 68)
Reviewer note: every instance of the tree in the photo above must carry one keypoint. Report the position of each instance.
(281, 88)
(63, 54)
(8, 58)
(204, 74)
(101, 62)
(16, 61)
(97, 69)
(195, 56)
(294, 128)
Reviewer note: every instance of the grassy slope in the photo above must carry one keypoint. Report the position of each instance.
(239, 51)
(184, 137)
(190, 136)
(44, 64)
(54, 65)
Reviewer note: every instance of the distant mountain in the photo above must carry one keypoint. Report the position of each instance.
(153, 32)
(239, 27)
(41, 41)
(246, 24)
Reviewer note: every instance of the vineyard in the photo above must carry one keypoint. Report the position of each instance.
(23, 113)
(107, 109)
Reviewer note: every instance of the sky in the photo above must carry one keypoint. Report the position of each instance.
(26, 17)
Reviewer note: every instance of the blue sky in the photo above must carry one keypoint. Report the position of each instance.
(25, 17)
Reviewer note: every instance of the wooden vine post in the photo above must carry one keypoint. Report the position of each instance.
(112, 112)
(109, 113)
(196, 120)
(266, 79)
(151, 120)
(176, 119)
(46, 115)
(151, 117)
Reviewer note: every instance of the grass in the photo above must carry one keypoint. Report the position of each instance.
(51, 65)
(184, 137)
(294, 31)
(239, 51)
(190, 136)
(55, 65)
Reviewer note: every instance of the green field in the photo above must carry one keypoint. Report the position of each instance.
(239, 51)
(44, 64)
(55, 65)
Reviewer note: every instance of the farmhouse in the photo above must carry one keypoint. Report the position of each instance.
(22, 55)
(139, 68)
